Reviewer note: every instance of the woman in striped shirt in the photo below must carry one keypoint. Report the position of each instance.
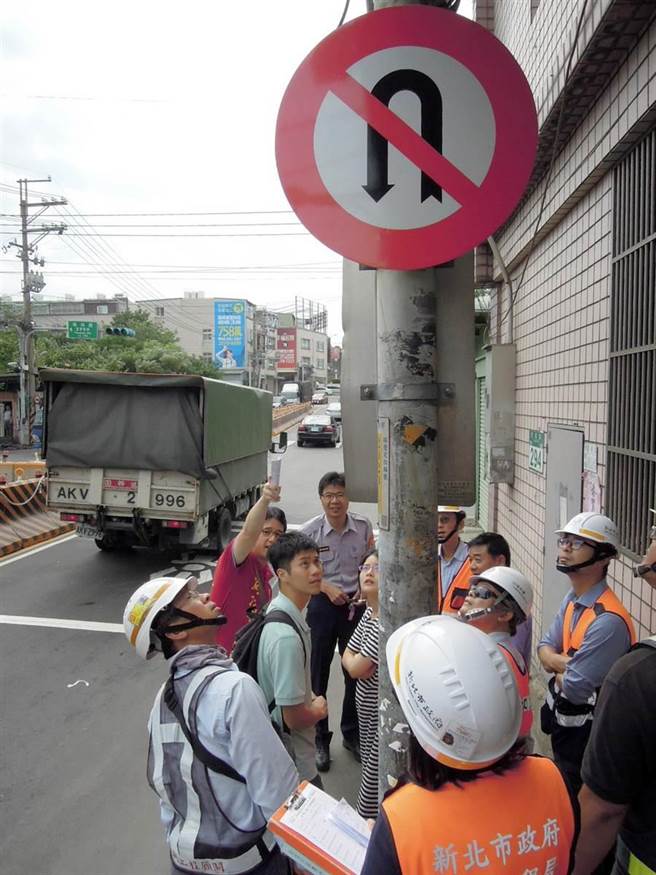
(360, 660)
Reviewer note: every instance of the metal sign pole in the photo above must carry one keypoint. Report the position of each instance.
(407, 477)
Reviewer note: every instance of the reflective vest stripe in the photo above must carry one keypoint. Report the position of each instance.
(626, 861)
(607, 602)
(157, 740)
(574, 716)
(516, 822)
(520, 671)
(459, 582)
(184, 834)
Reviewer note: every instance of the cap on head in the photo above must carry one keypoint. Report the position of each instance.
(511, 581)
(456, 690)
(143, 607)
(593, 527)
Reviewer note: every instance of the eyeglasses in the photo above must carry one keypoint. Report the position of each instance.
(333, 496)
(268, 533)
(373, 566)
(482, 592)
(569, 541)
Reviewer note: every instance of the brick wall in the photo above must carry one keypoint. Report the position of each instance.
(561, 315)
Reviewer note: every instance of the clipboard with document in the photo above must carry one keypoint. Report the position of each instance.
(323, 835)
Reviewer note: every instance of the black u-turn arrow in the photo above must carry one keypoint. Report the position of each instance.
(431, 130)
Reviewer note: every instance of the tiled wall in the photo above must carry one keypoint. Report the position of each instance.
(560, 318)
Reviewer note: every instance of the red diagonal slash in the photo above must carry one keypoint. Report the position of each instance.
(406, 140)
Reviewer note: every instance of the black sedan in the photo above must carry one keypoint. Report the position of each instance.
(318, 428)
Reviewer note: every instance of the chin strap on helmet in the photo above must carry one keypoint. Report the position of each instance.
(450, 535)
(601, 551)
(194, 622)
(475, 614)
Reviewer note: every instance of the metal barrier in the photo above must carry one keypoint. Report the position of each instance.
(288, 415)
(24, 519)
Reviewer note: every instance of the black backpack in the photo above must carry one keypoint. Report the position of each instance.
(247, 643)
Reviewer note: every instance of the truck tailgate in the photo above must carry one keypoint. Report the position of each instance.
(120, 491)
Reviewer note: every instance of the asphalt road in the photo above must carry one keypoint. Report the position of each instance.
(73, 793)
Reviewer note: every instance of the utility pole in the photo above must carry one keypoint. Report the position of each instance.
(32, 282)
(407, 394)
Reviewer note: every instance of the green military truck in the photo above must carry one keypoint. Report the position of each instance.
(162, 461)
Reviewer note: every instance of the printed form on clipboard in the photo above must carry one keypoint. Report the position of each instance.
(322, 835)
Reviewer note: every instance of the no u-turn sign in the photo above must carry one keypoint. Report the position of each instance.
(406, 137)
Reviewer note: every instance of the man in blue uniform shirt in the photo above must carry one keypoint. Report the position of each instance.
(590, 632)
(343, 538)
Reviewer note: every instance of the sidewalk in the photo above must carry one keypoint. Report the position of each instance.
(20, 455)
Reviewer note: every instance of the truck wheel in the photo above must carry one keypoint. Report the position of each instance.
(223, 528)
(299, 443)
(106, 543)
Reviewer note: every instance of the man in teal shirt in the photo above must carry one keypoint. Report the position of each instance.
(283, 659)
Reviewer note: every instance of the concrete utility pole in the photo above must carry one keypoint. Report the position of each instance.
(32, 282)
(407, 395)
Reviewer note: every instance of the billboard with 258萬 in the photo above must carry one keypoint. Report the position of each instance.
(230, 334)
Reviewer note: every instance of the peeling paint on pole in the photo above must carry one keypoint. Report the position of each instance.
(406, 362)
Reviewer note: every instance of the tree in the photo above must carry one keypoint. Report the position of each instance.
(8, 349)
(153, 350)
(8, 336)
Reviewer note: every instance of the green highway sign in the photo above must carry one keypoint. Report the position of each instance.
(81, 330)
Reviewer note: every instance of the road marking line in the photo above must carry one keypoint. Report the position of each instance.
(31, 551)
(55, 623)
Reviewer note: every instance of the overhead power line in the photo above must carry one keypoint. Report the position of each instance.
(182, 225)
(191, 236)
(147, 215)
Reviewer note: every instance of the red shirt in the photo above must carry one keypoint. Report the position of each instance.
(237, 589)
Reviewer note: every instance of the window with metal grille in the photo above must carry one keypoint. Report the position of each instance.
(632, 375)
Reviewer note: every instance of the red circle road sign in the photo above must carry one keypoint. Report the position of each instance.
(399, 189)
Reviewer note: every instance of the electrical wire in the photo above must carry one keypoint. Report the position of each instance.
(149, 215)
(188, 236)
(547, 180)
(179, 225)
(343, 18)
(105, 261)
(302, 265)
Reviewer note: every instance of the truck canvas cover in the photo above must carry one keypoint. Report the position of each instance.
(151, 421)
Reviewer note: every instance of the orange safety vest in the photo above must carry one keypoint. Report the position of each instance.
(517, 664)
(457, 591)
(607, 602)
(512, 823)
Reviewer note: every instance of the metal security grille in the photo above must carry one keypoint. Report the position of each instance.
(482, 486)
(632, 381)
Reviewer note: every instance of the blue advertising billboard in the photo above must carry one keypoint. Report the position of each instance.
(230, 334)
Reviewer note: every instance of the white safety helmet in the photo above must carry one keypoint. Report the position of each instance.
(450, 508)
(511, 581)
(456, 689)
(594, 527)
(142, 608)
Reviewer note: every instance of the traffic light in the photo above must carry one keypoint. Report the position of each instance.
(120, 332)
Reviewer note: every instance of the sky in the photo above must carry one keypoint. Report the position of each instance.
(156, 122)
